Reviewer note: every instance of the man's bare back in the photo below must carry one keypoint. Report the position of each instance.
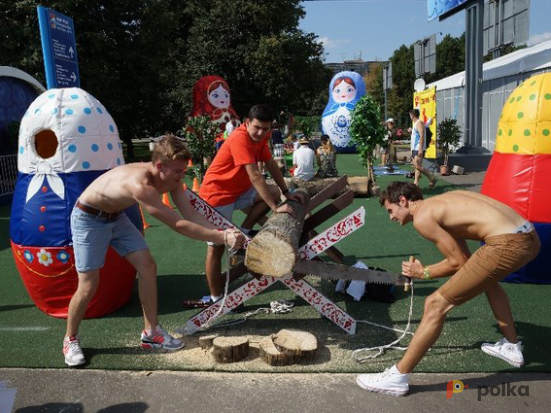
(115, 190)
(467, 215)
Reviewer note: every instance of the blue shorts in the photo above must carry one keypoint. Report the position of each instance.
(244, 201)
(92, 236)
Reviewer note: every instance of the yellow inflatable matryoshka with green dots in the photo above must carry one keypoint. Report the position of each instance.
(520, 169)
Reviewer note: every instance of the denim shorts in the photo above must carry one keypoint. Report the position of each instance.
(92, 236)
(244, 201)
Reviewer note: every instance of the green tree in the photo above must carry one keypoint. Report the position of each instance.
(400, 97)
(374, 82)
(366, 131)
(257, 48)
(140, 58)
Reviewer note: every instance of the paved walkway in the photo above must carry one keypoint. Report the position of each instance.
(86, 391)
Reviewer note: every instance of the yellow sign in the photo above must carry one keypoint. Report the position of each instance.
(425, 101)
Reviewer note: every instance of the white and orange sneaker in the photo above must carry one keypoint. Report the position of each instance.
(72, 351)
(160, 339)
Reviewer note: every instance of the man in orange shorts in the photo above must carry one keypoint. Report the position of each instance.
(449, 220)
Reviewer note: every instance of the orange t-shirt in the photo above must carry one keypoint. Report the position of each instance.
(226, 178)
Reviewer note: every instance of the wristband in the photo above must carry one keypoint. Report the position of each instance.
(426, 273)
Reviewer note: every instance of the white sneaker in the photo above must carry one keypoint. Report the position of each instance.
(391, 381)
(72, 351)
(505, 350)
(160, 339)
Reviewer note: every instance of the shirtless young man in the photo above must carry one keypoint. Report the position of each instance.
(98, 221)
(448, 220)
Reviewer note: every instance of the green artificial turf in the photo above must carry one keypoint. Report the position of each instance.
(33, 339)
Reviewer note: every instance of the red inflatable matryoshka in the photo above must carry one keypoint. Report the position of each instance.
(211, 96)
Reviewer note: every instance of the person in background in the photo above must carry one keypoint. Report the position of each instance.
(326, 158)
(387, 142)
(418, 148)
(277, 136)
(303, 161)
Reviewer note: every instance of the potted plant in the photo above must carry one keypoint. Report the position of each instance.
(366, 131)
(448, 135)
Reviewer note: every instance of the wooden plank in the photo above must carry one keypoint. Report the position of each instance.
(328, 211)
(327, 193)
(332, 235)
(321, 303)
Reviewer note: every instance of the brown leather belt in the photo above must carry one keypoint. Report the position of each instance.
(97, 212)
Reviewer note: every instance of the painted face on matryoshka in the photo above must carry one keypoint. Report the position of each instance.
(218, 95)
(344, 90)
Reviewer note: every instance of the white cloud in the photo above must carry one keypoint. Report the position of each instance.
(330, 43)
(539, 38)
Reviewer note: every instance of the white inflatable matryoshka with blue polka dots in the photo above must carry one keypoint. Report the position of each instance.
(66, 140)
(345, 89)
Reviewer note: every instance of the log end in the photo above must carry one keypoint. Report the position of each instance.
(269, 254)
(295, 343)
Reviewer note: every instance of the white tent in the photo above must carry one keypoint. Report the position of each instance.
(500, 77)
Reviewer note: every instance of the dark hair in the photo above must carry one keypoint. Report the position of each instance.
(263, 113)
(398, 188)
(324, 138)
(414, 112)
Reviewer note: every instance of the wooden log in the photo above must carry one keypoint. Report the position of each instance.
(358, 184)
(295, 343)
(271, 355)
(273, 251)
(230, 349)
(206, 342)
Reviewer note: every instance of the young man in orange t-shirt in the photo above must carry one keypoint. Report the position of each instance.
(233, 181)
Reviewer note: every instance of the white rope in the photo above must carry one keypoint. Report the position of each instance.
(381, 349)
(229, 253)
(276, 307)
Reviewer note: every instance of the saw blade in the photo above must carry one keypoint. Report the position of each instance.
(343, 272)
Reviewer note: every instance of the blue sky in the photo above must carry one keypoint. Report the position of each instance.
(373, 29)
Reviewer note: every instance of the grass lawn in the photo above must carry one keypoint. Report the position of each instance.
(33, 339)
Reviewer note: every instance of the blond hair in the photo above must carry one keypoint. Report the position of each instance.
(170, 148)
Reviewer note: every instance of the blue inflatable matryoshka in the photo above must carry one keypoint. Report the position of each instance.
(66, 140)
(345, 89)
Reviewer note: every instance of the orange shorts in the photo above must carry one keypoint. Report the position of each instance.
(496, 259)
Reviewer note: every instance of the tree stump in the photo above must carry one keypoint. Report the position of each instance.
(230, 349)
(273, 251)
(295, 343)
(205, 342)
(271, 355)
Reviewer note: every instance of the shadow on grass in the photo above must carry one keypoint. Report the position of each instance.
(15, 307)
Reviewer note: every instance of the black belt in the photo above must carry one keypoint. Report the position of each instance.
(97, 212)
